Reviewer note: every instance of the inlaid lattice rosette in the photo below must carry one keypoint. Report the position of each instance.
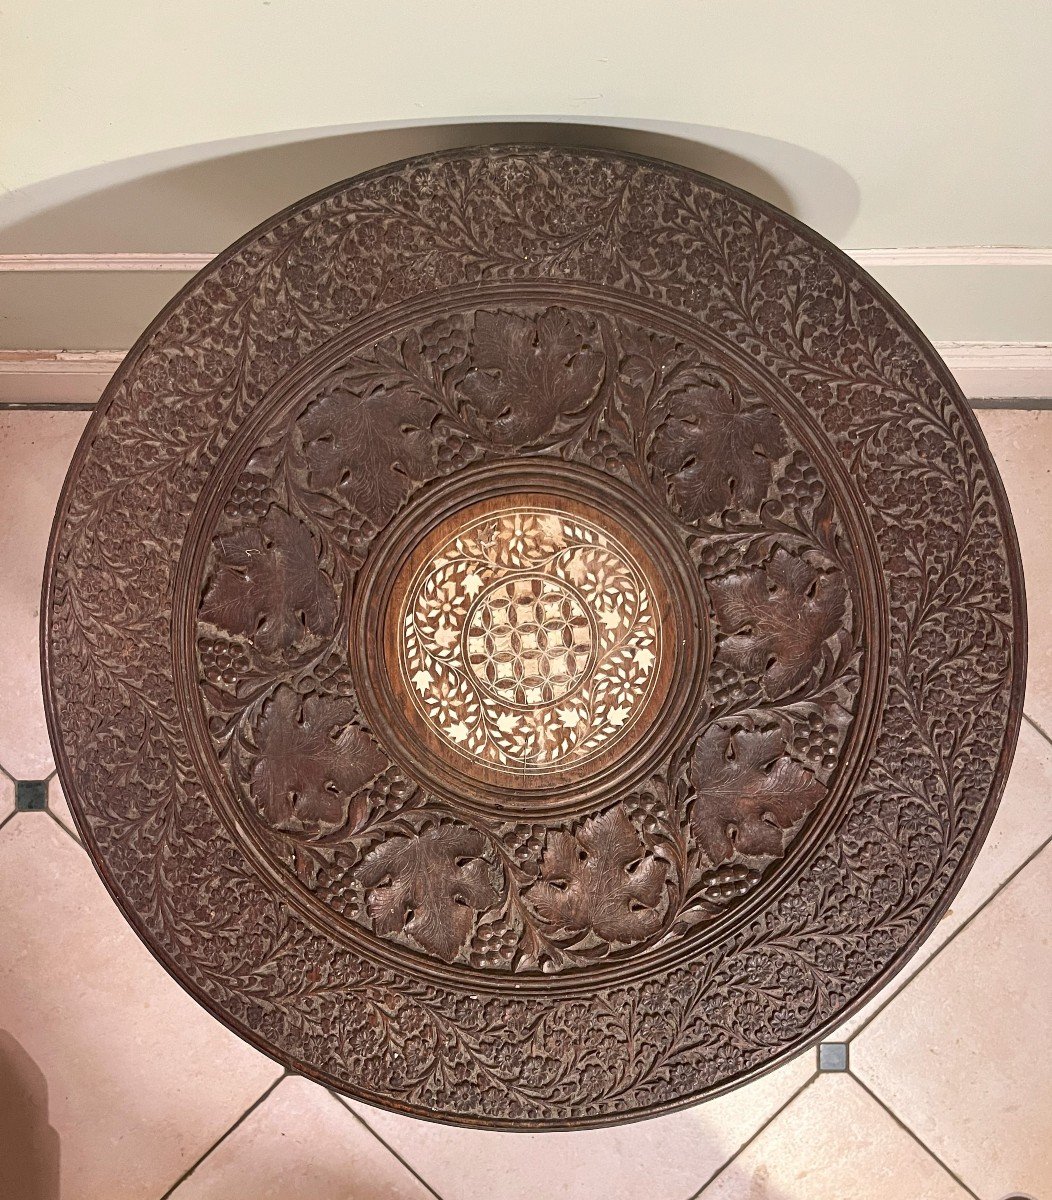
(530, 640)
(805, 769)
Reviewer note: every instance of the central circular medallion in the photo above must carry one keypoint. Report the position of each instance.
(529, 639)
(519, 631)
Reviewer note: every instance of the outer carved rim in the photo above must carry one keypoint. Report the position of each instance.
(931, 364)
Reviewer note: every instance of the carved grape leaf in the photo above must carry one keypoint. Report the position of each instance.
(715, 451)
(777, 616)
(747, 792)
(369, 448)
(601, 878)
(268, 585)
(528, 372)
(312, 763)
(430, 887)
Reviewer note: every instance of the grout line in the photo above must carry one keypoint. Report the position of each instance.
(1029, 720)
(62, 825)
(5, 771)
(953, 937)
(9, 818)
(222, 1138)
(753, 1136)
(383, 1142)
(902, 1125)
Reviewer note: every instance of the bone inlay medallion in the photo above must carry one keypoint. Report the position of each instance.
(529, 639)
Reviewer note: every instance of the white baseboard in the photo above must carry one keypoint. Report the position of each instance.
(984, 370)
(867, 257)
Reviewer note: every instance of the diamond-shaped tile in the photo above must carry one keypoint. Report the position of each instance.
(666, 1158)
(834, 1143)
(962, 1054)
(36, 448)
(1022, 446)
(138, 1079)
(1022, 824)
(301, 1144)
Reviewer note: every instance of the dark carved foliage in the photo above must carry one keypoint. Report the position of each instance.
(716, 451)
(753, 508)
(375, 433)
(747, 792)
(528, 374)
(312, 762)
(430, 887)
(601, 878)
(266, 584)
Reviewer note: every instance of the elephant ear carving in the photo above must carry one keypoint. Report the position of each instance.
(715, 451)
(776, 618)
(748, 791)
(267, 585)
(601, 878)
(527, 372)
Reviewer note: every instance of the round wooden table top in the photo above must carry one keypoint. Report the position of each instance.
(533, 637)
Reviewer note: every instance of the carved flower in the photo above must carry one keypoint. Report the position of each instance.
(747, 792)
(715, 451)
(601, 878)
(369, 448)
(528, 372)
(312, 762)
(267, 584)
(429, 887)
(777, 617)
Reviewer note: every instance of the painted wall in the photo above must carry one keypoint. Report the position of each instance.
(884, 125)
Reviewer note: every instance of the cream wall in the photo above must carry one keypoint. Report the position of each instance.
(885, 125)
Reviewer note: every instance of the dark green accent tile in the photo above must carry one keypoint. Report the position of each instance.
(30, 795)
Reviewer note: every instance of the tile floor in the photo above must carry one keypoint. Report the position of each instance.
(114, 1085)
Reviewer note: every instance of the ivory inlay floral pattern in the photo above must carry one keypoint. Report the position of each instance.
(529, 640)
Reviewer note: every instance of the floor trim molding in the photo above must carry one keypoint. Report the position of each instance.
(886, 256)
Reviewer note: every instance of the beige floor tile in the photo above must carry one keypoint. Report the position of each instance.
(834, 1143)
(300, 1144)
(1023, 824)
(1022, 446)
(35, 448)
(135, 1077)
(667, 1158)
(58, 807)
(7, 797)
(962, 1055)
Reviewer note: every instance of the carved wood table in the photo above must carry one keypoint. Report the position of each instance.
(533, 638)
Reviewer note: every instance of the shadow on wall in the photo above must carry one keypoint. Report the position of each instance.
(29, 1147)
(198, 199)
